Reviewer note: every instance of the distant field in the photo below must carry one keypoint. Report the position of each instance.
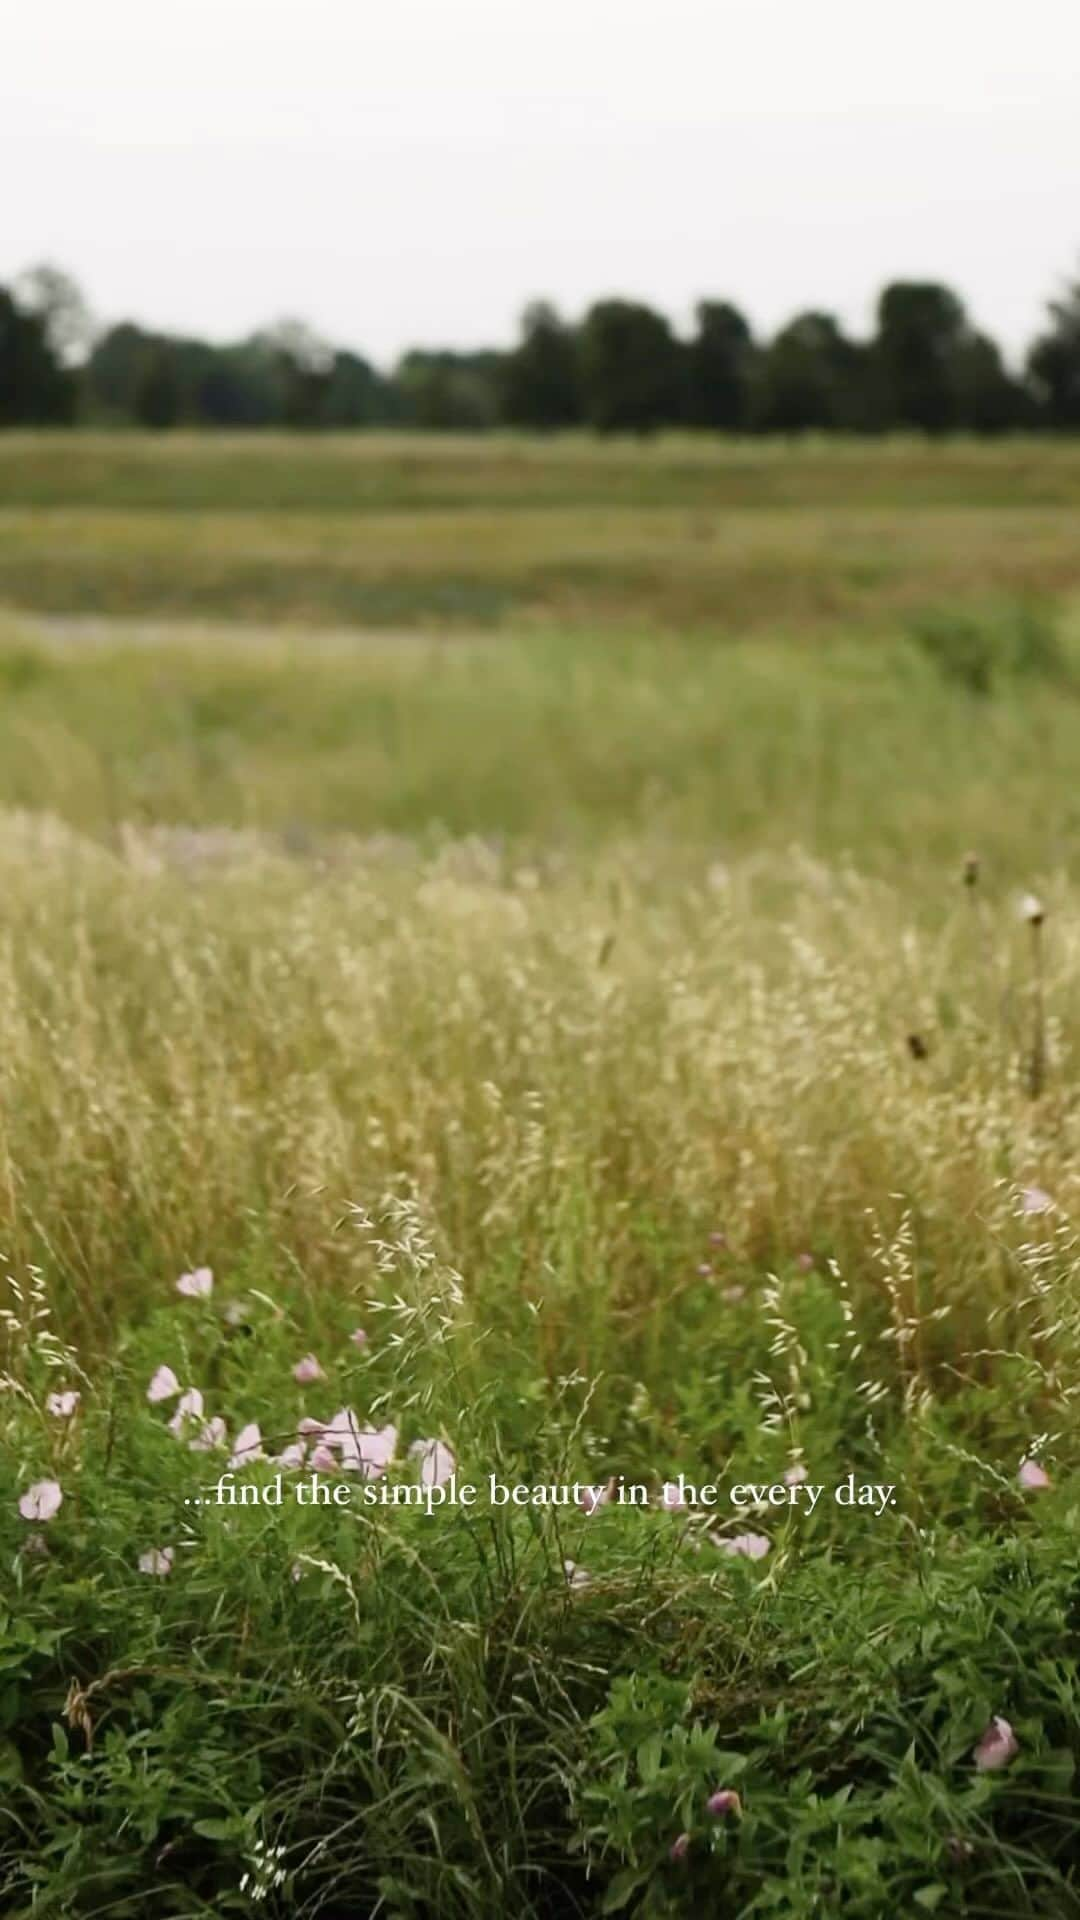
(491, 533)
(384, 473)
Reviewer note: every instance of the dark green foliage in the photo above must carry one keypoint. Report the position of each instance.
(989, 399)
(156, 401)
(35, 390)
(622, 369)
(922, 337)
(720, 369)
(1054, 363)
(812, 377)
(541, 385)
(632, 371)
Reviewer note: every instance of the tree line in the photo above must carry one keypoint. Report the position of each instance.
(621, 368)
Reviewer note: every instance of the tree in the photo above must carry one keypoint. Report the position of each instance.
(720, 369)
(989, 399)
(355, 396)
(35, 390)
(115, 368)
(301, 364)
(59, 300)
(156, 400)
(1054, 363)
(812, 376)
(922, 335)
(450, 391)
(631, 368)
(540, 383)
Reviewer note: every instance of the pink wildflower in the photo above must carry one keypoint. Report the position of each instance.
(190, 1408)
(749, 1546)
(437, 1461)
(42, 1501)
(197, 1285)
(247, 1446)
(163, 1386)
(1035, 1200)
(997, 1746)
(158, 1561)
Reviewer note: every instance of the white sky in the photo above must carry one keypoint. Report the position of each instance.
(412, 171)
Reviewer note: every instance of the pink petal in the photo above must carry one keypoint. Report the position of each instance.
(795, 1475)
(358, 1337)
(163, 1386)
(190, 1408)
(291, 1456)
(1032, 1477)
(366, 1450)
(377, 1447)
(671, 1497)
(679, 1848)
(322, 1460)
(723, 1802)
(212, 1435)
(307, 1370)
(158, 1560)
(1035, 1200)
(247, 1446)
(748, 1546)
(63, 1405)
(41, 1501)
(997, 1746)
(437, 1461)
(197, 1285)
(341, 1431)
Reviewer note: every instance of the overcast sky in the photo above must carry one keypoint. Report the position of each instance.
(412, 171)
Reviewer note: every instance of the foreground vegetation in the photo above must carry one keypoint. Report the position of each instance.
(599, 1057)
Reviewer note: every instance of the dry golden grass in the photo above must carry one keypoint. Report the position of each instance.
(578, 1069)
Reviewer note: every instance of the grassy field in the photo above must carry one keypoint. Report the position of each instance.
(627, 1013)
(494, 534)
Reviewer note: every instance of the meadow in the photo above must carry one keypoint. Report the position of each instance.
(562, 964)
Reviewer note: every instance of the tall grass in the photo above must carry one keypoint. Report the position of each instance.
(625, 1171)
(600, 1058)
